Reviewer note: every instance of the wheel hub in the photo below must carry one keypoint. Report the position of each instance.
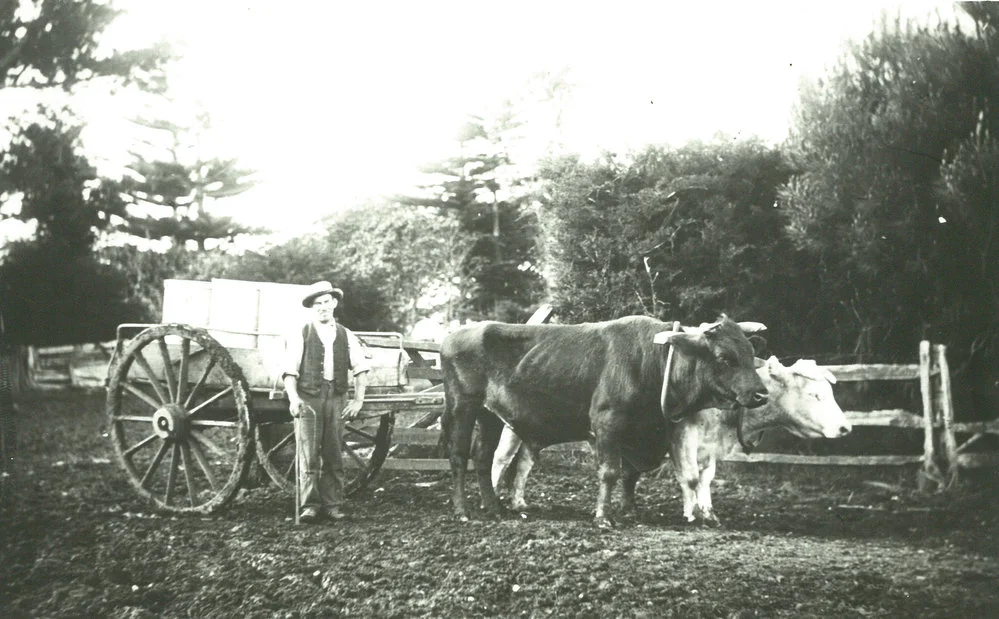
(170, 421)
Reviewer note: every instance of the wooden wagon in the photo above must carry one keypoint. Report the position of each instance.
(191, 400)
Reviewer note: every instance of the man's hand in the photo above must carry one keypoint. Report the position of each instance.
(299, 407)
(352, 409)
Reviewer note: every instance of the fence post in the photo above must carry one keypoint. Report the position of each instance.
(947, 412)
(930, 473)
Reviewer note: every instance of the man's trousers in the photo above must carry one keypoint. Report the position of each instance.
(320, 436)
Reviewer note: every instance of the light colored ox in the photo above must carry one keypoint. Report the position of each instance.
(801, 402)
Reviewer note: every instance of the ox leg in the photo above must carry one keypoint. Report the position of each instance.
(609, 472)
(463, 420)
(704, 508)
(629, 481)
(490, 429)
(525, 462)
(685, 468)
(505, 459)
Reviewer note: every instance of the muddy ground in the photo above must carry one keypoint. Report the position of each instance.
(795, 542)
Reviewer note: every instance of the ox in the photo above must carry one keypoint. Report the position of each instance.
(558, 383)
(801, 402)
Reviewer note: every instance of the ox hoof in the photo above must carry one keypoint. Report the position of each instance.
(603, 523)
(711, 521)
(495, 512)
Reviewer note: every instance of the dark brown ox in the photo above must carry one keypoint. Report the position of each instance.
(558, 383)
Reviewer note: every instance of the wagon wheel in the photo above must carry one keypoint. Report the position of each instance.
(184, 446)
(365, 445)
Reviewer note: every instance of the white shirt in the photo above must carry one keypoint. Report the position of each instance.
(295, 346)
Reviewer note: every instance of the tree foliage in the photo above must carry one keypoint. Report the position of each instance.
(57, 186)
(678, 234)
(56, 43)
(481, 189)
(892, 206)
(412, 254)
(51, 296)
(174, 188)
(53, 290)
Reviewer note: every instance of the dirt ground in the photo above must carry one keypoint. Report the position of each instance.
(795, 542)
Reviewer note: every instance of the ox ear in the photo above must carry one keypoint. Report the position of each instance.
(752, 327)
(809, 369)
(758, 363)
(775, 369)
(759, 344)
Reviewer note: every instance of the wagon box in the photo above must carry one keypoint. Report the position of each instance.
(187, 397)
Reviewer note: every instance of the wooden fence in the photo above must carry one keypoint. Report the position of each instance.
(943, 455)
(80, 365)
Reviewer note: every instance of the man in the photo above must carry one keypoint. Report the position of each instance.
(319, 359)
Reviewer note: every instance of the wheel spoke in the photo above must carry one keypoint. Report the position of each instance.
(205, 423)
(218, 395)
(155, 463)
(142, 395)
(281, 444)
(212, 447)
(203, 463)
(172, 476)
(291, 469)
(185, 357)
(201, 381)
(136, 447)
(185, 457)
(359, 432)
(153, 380)
(168, 372)
(139, 418)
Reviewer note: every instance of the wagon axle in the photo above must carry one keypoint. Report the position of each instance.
(171, 421)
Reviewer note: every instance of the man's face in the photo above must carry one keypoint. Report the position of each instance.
(323, 308)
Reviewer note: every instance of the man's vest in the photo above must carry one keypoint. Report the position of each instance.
(310, 375)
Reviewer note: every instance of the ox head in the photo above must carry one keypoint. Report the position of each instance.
(725, 363)
(803, 395)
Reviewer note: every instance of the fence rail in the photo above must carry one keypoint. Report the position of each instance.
(943, 454)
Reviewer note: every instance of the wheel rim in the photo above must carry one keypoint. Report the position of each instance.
(179, 417)
(365, 446)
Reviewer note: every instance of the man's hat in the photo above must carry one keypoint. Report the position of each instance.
(318, 289)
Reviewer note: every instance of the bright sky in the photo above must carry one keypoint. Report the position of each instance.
(334, 102)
